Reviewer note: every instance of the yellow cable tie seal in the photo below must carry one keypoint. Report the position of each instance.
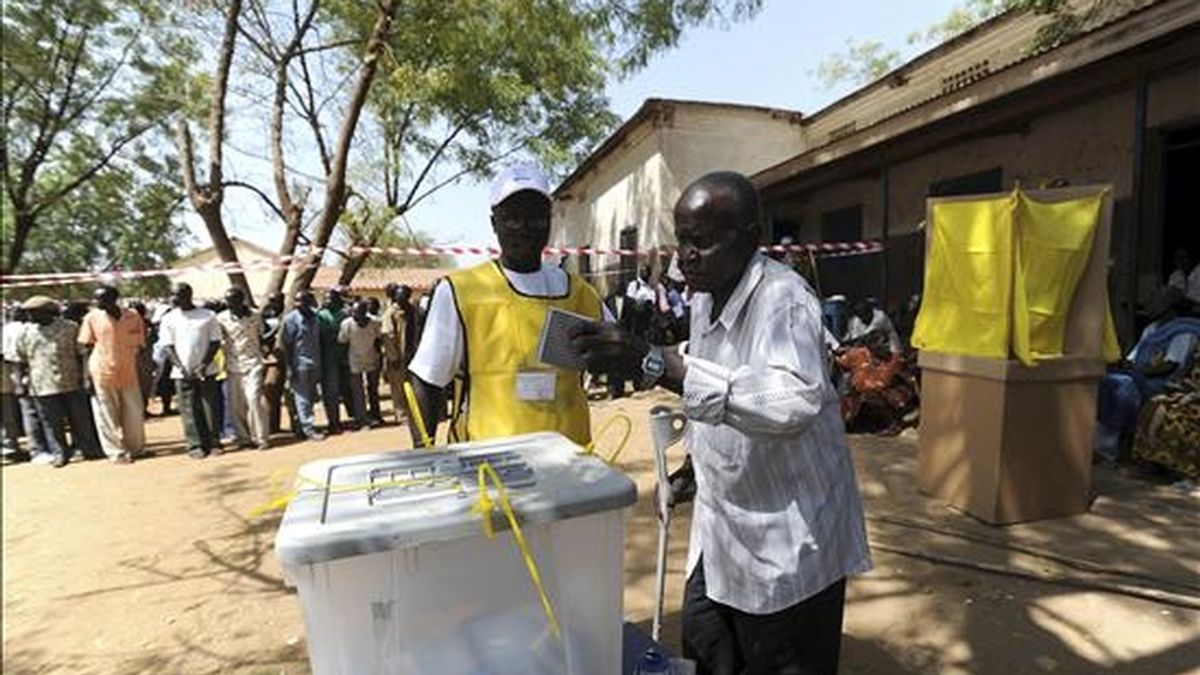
(484, 507)
(590, 449)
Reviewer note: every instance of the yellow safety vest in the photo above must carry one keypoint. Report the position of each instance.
(502, 329)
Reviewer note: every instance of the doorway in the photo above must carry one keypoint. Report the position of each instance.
(1181, 207)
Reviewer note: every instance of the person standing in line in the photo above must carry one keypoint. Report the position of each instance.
(335, 366)
(300, 338)
(242, 339)
(777, 525)
(360, 333)
(400, 333)
(31, 422)
(9, 392)
(113, 337)
(146, 368)
(48, 350)
(275, 387)
(191, 337)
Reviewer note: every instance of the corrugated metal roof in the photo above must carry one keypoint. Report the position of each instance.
(1002, 34)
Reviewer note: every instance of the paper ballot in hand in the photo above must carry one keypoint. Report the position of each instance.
(555, 346)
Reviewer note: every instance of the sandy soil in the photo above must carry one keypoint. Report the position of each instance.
(156, 568)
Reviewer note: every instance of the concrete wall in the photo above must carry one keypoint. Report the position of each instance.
(703, 140)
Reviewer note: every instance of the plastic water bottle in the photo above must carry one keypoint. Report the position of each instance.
(653, 662)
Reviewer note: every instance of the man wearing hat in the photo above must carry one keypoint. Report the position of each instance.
(48, 352)
(484, 324)
(113, 336)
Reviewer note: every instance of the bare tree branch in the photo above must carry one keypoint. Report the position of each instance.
(332, 45)
(259, 192)
(335, 186)
(91, 171)
(437, 155)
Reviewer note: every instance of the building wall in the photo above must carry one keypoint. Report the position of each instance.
(638, 184)
(705, 140)
(213, 284)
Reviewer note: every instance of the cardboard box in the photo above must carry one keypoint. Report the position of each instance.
(1004, 442)
(1009, 443)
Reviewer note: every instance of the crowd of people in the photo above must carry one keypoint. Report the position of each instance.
(79, 380)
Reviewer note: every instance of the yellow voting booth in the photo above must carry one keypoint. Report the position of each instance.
(1014, 332)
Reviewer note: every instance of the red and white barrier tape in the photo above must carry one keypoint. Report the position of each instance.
(823, 250)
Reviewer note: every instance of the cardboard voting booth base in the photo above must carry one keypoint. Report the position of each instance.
(1006, 443)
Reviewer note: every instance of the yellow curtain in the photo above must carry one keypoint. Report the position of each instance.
(968, 279)
(1054, 243)
(1001, 275)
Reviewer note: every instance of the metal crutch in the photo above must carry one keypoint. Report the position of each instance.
(666, 428)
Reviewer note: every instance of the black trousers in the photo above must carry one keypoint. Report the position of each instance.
(804, 639)
(198, 412)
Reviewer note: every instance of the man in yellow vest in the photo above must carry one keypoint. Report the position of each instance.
(484, 324)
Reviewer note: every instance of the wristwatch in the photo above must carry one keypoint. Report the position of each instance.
(653, 367)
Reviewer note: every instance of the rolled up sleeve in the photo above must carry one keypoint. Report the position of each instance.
(777, 394)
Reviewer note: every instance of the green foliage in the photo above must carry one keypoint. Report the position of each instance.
(87, 84)
(118, 220)
(464, 84)
(861, 62)
(963, 18)
(364, 224)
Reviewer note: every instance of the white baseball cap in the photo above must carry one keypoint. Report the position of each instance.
(517, 177)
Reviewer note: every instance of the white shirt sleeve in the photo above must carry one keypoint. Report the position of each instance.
(439, 357)
(166, 330)
(344, 331)
(214, 329)
(780, 394)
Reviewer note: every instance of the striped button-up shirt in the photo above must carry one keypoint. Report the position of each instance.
(777, 516)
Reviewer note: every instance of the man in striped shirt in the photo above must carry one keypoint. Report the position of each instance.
(778, 524)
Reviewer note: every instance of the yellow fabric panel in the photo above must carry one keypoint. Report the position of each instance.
(502, 330)
(1054, 243)
(968, 279)
(1112, 347)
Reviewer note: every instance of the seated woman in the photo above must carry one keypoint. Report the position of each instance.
(1168, 429)
(1163, 354)
(881, 393)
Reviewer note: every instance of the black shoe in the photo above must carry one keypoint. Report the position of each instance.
(197, 454)
(333, 430)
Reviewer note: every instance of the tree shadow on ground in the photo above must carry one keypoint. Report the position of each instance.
(1022, 598)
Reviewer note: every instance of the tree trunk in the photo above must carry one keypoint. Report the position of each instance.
(353, 264)
(208, 198)
(291, 236)
(23, 224)
(335, 182)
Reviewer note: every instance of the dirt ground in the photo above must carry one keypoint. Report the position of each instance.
(156, 568)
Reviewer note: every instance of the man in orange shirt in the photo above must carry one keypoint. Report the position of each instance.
(114, 336)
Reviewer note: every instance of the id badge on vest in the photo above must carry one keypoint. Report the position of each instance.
(536, 385)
